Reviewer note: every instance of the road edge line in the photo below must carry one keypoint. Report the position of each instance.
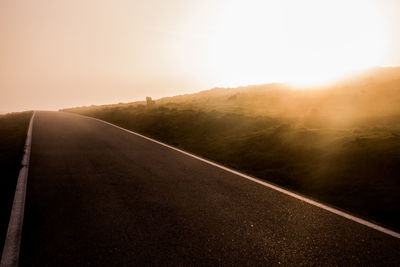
(12, 242)
(264, 183)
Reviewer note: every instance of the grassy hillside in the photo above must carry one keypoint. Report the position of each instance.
(339, 144)
(13, 129)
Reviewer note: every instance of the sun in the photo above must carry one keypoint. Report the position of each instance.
(300, 42)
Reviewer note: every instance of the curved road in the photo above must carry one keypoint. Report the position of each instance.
(100, 196)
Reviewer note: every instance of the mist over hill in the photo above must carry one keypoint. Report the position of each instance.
(339, 144)
(354, 101)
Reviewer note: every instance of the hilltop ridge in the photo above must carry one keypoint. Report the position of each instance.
(353, 101)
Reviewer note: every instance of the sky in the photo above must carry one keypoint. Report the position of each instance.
(56, 54)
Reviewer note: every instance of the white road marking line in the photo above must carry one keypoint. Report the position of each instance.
(13, 239)
(272, 186)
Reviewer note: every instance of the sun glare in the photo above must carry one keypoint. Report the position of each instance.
(299, 42)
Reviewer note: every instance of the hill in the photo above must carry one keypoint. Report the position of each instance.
(339, 144)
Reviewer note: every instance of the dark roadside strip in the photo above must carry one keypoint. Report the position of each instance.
(13, 129)
(12, 242)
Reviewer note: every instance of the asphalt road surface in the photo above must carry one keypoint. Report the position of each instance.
(100, 196)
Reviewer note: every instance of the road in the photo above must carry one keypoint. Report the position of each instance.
(100, 196)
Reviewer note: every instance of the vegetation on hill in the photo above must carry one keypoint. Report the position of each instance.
(13, 129)
(339, 144)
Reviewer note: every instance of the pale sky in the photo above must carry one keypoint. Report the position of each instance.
(56, 54)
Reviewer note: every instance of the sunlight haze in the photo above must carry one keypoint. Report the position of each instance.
(56, 54)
